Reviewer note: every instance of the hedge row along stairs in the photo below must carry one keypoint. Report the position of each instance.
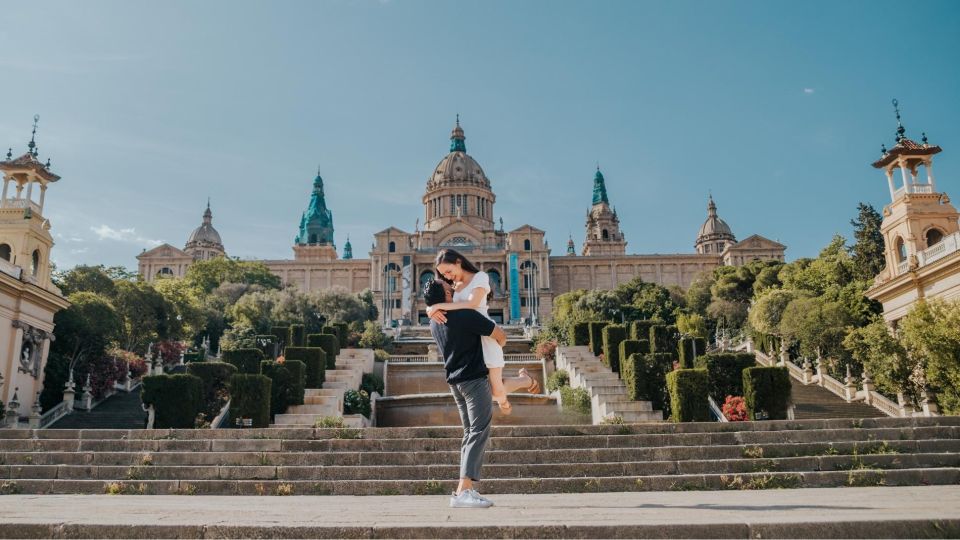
(608, 394)
(327, 402)
(520, 459)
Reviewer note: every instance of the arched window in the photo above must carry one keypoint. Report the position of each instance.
(313, 239)
(5, 252)
(934, 236)
(495, 280)
(901, 250)
(35, 263)
(165, 272)
(605, 235)
(392, 247)
(526, 245)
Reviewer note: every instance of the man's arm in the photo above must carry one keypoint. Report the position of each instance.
(473, 322)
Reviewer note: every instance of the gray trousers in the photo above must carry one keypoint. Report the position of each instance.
(475, 403)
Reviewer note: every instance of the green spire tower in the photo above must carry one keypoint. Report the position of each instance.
(347, 250)
(457, 139)
(316, 224)
(599, 189)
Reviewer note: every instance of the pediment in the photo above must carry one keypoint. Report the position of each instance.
(527, 229)
(755, 241)
(163, 251)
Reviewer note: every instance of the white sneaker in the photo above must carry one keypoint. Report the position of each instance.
(481, 497)
(468, 499)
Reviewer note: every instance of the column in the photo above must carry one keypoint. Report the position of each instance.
(43, 194)
(6, 187)
(903, 172)
(928, 165)
(893, 190)
(29, 193)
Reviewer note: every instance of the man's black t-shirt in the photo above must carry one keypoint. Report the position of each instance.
(459, 343)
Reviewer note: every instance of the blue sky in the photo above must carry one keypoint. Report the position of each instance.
(777, 108)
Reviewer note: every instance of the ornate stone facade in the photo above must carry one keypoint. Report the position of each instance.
(28, 298)
(459, 213)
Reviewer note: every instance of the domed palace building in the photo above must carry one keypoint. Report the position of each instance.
(459, 213)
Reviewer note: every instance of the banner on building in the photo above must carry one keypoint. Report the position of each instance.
(406, 278)
(514, 288)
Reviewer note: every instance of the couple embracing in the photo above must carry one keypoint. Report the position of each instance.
(472, 348)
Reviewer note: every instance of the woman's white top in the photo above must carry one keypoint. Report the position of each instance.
(492, 351)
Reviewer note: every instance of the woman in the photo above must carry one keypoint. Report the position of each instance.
(471, 289)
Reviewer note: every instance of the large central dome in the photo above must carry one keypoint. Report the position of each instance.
(458, 190)
(457, 167)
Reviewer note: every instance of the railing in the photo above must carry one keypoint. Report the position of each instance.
(402, 358)
(885, 405)
(902, 267)
(10, 269)
(222, 418)
(54, 414)
(21, 203)
(715, 410)
(833, 385)
(528, 357)
(921, 188)
(947, 246)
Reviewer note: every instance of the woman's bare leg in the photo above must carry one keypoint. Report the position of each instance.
(498, 390)
(521, 382)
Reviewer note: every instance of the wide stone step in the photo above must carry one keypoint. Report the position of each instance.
(622, 405)
(592, 455)
(681, 482)
(638, 416)
(322, 409)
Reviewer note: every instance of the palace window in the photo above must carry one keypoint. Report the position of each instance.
(495, 281)
(901, 250)
(392, 247)
(526, 245)
(35, 263)
(605, 235)
(5, 252)
(934, 236)
(165, 272)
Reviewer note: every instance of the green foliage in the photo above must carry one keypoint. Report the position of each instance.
(645, 378)
(641, 329)
(371, 382)
(580, 334)
(690, 350)
(930, 333)
(596, 336)
(766, 390)
(282, 335)
(176, 399)
(664, 339)
(250, 398)
(315, 361)
(297, 336)
(867, 251)
(576, 400)
(380, 355)
(817, 325)
(329, 344)
(688, 395)
(882, 354)
(282, 386)
(373, 337)
(613, 335)
(692, 325)
(207, 275)
(557, 380)
(768, 309)
(245, 360)
(725, 373)
(356, 402)
(298, 377)
(632, 346)
(216, 380)
(343, 332)
(83, 278)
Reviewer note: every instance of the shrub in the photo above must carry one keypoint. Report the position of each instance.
(216, 381)
(356, 402)
(267, 343)
(596, 337)
(580, 334)
(691, 349)
(281, 386)
(330, 329)
(557, 380)
(193, 356)
(766, 392)
(137, 367)
(688, 395)
(371, 338)
(329, 344)
(664, 339)
(250, 398)
(297, 335)
(343, 331)
(298, 376)
(282, 336)
(645, 378)
(575, 399)
(612, 336)
(735, 409)
(315, 361)
(380, 355)
(725, 371)
(632, 346)
(546, 350)
(245, 360)
(641, 329)
(371, 382)
(176, 399)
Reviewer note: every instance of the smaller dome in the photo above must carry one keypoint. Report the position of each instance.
(205, 233)
(714, 227)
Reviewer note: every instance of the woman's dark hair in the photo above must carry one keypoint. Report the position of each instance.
(451, 256)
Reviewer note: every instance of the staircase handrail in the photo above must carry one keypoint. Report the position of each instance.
(56, 413)
(833, 385)
(884, 404)
(223, 418)
(715, 410)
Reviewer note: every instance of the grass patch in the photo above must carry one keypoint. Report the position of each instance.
(348, 433)
(283, 490)
(184, 489)
(146, 460)
(767, 481)
(752, 452)
(121, 488)
(10, 488)
(866, 478)
(263, 459)
(329, 422)
(432, 487)
(388, 491)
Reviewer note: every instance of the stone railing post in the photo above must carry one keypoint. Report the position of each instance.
(850, 387)
(929, 405)
(150, 415)
(807, 371)
(86, 398)
(868, 388)
(819, 368)
(906, 409)
(69, 392)
(784, 355)
(13, 411)
(433, 354)
(749, 341)
(35, 410)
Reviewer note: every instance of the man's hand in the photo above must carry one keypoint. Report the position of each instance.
(437, 314)
(499, 335)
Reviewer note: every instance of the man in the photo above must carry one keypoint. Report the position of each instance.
(459, 342)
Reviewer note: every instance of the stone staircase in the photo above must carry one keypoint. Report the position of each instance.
(519, 459)
(608, 394)
(328, 401)
(123, 410)
(812, 401)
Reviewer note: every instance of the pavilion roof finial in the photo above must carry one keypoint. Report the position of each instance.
(900, 129)
(33, 136)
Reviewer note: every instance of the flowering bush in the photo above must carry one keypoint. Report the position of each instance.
(735, 409)
(137, 365)
(170, 351)
(547, 350)
(355, 402)
(104, 373)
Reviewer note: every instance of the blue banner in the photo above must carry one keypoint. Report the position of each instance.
(514, 288)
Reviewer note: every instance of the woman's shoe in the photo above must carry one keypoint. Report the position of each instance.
(534, 387)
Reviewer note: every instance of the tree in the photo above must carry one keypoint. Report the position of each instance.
(86, 279)
(210, 274)
(874, 347)
(698, 294)
(767, 310)
(818, 326)
(186, 304)
(868, 250)
(930, 334)
(145, 316)
(692, 325)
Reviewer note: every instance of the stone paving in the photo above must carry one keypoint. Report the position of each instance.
(917, 511)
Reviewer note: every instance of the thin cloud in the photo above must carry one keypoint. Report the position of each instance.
(106, 232)
(809, 90)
